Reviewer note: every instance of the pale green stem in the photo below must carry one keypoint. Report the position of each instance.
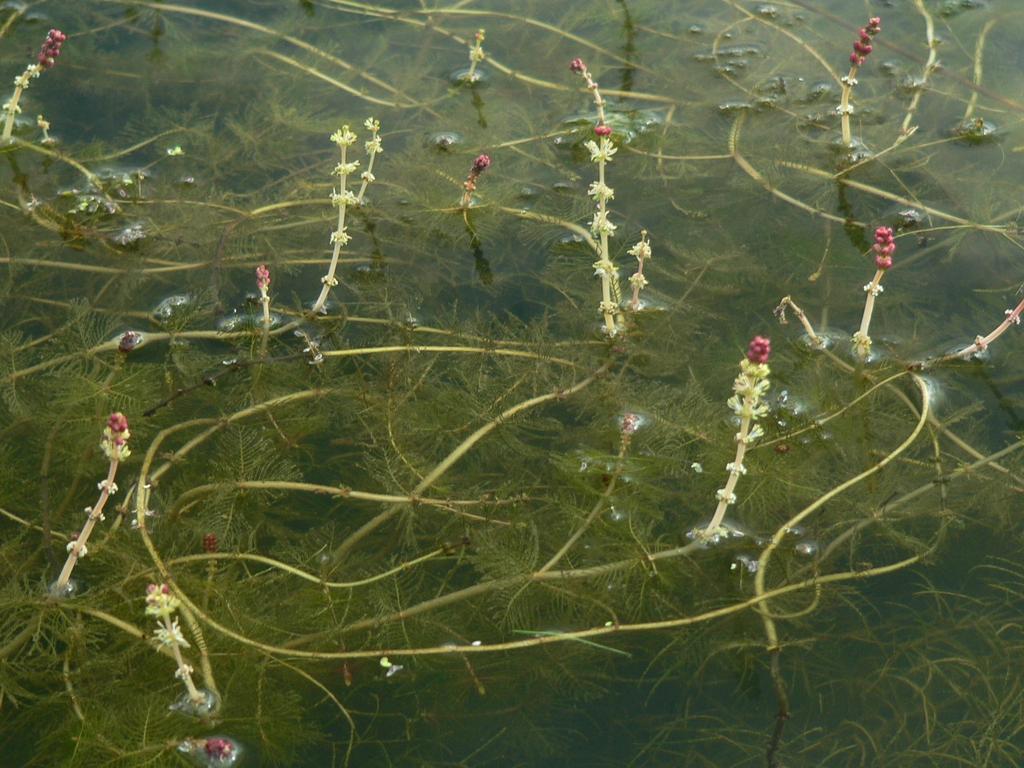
(844, 106)
(12, 105)
(734, 474)
(369, 169)
(607, 266)
(329, 279)
(94, 517)
(186, 676)
(980, 343)
(265, 301)
(861, 339)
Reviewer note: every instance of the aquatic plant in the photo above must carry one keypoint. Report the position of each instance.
(861, 50)
(480, 164)
(882, 249)
(373, 148)
(444, 519)
(476, 55)
(115, 447)
(162, 605)
(642, 252)
(45, 59)
(747, 402)
(214, 752)
(341, 198)
(601, 153)
(263, 286)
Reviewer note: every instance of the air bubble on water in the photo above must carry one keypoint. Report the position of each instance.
(212, 752)
(69, 590)
(807, 548)
(976, 130)
(616, 515)
(130, 235)
(246, 321)
(173, 306)
(461, 76)
(745, 562)
(633, 421)
(733, 107)
(727, 530)
(208, 704)
(571, 238)
(444, 140)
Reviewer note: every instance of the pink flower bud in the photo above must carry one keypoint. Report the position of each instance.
(481, 164)
(577, 65)
(219, 749)
(884, 247)
(630, 424)
(603, 130)
(51, 48)
(262, 277)
(760, 349)
(863, 47)
(117, 423)
(129, 341)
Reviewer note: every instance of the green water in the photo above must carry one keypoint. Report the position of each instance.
(435, 545)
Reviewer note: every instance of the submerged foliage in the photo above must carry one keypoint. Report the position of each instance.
(449, 521)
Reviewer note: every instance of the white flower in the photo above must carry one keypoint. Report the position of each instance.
(600, 191)
(328, 280)
(1015, 319)
(175, 151)
(600, 153)
(847, 80)
(638, 280)
(340, 236)
(368, 177)
(641, 250)
(345, 169)
(720, 495)
(847, 110)
(874, 291)
(185, 670)
(373, 146)
(80, 550)
(172, 636)
(343, 137)
(602, 224)
(739, 469)
(111, 487)
(345, 197)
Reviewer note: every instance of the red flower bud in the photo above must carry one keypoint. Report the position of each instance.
(760, 349)
(481, 163)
